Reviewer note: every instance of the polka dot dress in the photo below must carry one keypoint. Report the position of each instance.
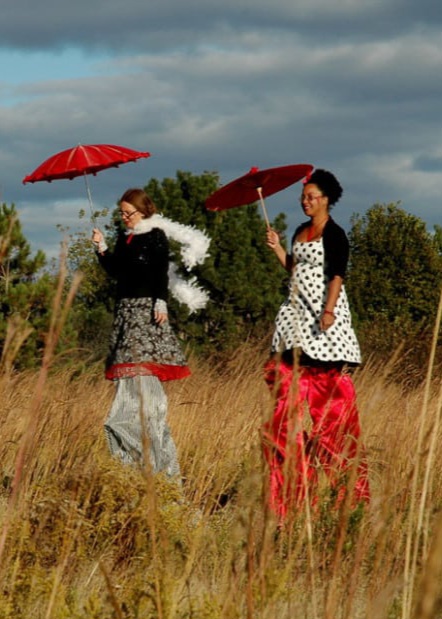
(297, 321)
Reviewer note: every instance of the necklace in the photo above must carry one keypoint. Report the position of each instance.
(313, 231)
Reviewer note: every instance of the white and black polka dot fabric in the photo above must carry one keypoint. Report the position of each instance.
(297, 321)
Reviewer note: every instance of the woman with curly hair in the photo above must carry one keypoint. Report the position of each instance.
(313, 349)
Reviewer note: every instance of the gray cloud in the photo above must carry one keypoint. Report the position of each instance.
(428, 164)
(162, 24)
(350, 86)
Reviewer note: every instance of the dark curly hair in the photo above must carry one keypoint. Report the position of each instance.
(328, 184)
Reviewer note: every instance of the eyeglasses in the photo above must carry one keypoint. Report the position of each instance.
(124, 215)
(310, 198)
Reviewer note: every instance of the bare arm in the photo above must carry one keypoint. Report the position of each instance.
(333, 290)
(272, 241)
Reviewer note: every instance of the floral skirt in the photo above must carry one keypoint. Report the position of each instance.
(140, 347)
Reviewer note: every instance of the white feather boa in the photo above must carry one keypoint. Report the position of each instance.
(194, 250)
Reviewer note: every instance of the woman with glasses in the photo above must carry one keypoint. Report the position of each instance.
(144, 351)
(313, 347)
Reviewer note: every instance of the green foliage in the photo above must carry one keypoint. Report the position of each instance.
(394, 278)
(245, 282)
(25, 291)
(92, 311)
(17, 262)
(438, 239)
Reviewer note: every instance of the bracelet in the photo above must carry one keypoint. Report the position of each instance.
(328, 312)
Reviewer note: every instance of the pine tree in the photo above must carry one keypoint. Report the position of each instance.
(25, 293)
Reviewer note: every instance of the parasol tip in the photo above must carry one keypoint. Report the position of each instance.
(253, 170)
(307, 177)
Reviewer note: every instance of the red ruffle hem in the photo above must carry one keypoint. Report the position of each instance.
(162, 371)
(333, 442)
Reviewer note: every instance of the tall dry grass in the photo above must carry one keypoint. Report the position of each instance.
(86, 537)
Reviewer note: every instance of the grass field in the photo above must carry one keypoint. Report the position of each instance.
(85, 537)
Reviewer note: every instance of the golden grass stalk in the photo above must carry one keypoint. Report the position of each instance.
(5, 240)
(415, 526)
(17, 332)
(429, 595)
(60, 310)
(94, 538)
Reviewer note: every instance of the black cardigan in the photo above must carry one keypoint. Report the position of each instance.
(336, 248)
(140, 265)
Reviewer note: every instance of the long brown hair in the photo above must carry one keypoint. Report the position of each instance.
(139, 199)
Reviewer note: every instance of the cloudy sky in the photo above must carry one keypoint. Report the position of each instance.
(353, 86)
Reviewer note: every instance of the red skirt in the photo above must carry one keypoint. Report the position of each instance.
(293, 455)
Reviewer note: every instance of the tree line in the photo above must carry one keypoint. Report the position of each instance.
(393, 282)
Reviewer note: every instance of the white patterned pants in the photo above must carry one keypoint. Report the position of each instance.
(137, 422)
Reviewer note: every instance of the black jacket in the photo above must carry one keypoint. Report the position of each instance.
(140, 265)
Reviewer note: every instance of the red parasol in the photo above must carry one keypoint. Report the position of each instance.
(82, 160)
(257, 184)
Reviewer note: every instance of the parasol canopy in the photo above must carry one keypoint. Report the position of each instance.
(82, 160)
(257, 184)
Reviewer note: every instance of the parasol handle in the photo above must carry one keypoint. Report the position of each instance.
(89, 198)
(264, 210)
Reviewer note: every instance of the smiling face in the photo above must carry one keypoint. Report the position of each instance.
(129, 215)
(314, 203)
